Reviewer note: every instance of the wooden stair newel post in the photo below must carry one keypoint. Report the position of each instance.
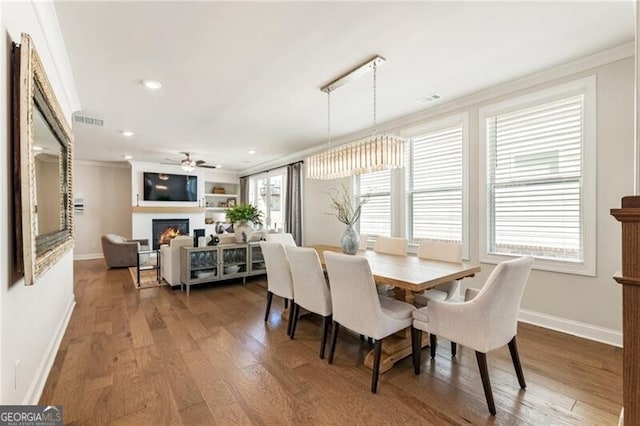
(629, 216)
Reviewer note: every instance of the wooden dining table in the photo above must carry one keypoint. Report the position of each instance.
(409, 275)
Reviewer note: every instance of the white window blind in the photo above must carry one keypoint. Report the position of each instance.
(535, 180)
(436, 185)
(376, 212)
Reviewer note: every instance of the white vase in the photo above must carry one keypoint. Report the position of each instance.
(242, 232)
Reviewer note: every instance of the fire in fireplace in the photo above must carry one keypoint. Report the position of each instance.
(163, 230)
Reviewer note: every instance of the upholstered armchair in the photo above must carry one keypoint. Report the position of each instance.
(170, 258)
(121, 253)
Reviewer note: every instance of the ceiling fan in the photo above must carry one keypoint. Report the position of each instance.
(189, 165)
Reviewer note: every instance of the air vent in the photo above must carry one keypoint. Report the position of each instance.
(88, 120)
(429, 98)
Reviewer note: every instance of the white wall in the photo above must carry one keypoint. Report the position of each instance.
(106, 191)
(32, 319)
(590, 306)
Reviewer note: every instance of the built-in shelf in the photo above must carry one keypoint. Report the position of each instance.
(154, 209)
(218, 209)
(222, 195)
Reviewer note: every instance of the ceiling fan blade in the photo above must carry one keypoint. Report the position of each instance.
(199, 163)
(172, 161)
(207, 167)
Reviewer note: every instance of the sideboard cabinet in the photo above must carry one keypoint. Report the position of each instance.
(212, 263)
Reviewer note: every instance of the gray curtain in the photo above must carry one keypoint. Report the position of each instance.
(244, 189)
(293, 213)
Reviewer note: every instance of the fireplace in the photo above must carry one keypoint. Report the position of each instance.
(163, 230)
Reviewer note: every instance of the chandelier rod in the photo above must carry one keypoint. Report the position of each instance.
(353, 74)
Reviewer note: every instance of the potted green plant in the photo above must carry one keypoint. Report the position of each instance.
(241, 215)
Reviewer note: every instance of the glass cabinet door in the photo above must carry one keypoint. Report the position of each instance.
(204, 263)
(234, 261)
(257, 261)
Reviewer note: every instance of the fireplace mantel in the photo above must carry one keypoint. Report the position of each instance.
(154, 209)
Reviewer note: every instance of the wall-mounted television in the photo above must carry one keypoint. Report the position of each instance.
(168, 187)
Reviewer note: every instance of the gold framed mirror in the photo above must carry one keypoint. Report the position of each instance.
(43, 155)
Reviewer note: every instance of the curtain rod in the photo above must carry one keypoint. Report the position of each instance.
(273, 168)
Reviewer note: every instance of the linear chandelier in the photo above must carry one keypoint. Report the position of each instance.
(375, 153)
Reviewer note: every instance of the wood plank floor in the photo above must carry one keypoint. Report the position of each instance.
(154, 356)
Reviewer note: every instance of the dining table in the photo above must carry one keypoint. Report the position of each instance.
(408, 275)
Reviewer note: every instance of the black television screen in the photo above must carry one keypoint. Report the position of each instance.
(166, 187)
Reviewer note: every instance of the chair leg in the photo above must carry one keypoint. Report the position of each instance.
(334, 338)
(269, 299)
(486, 383)
(454, 348)
(286, 303)
(362, 337)
(376, 365)
(370, 340)
(326, 325)
(416, 348)
(293, 318)
(433, 343)
(515, 357)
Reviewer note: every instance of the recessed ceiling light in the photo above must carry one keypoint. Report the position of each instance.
(37, 148)
(127, 157)
(152, 84)
(127, 133)
(251, 151)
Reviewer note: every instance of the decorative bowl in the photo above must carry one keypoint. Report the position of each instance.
(231, 269)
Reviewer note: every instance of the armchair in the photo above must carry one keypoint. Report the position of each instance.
(119, 252)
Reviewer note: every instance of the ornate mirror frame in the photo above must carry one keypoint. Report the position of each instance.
(32, 96)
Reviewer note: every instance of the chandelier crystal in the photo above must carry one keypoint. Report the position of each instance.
(375, 153)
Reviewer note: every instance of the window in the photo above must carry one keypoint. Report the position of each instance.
(375, 218)
(436, 185)
(265, 192)
(539, 178)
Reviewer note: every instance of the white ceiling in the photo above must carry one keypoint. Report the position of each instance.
(239, 76)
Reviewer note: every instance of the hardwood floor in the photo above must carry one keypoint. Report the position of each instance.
(154, 356)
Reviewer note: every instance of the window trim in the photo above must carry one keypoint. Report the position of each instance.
(587, 86)
(461, 119)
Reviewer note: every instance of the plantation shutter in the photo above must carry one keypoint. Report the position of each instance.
(534, 180)
(436, 183)
(376, 212)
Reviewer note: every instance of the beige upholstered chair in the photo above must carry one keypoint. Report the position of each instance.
(278, 275)
(364, 239)
(358, 307)
(485, 322)
(285, 239)
(170, 259)
(446, 251)
(120, 252)
(310, 289)
(390, 245)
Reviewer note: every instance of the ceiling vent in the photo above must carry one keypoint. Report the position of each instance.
(429, 98)
(88, 120)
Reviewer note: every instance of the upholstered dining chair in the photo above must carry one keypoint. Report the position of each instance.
(310, 289)
(485, 322)
(358, 307)
(278, 275)
(389, 245)
(445, 251)
(364, 239)
(285, 239)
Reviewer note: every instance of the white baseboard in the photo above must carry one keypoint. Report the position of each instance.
(575, 328)
(42, 373)
(90, 256)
